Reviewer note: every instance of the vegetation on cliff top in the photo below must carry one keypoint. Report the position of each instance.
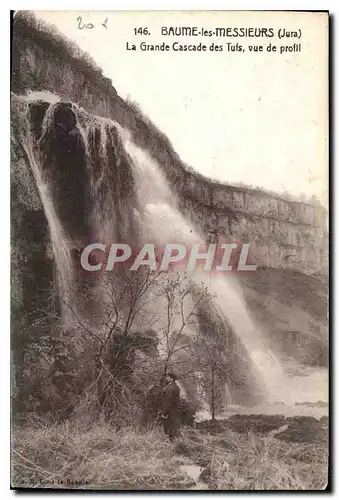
(27, 26)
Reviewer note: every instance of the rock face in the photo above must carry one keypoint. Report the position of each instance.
(282, 233)
(30, 240)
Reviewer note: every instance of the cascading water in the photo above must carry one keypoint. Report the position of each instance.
(166, 225)
(57, 235)
(83, 182)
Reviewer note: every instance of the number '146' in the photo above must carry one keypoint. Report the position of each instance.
(141, 31)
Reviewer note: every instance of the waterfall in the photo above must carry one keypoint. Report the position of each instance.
(59, 242)
(82, 176)
(166, 224)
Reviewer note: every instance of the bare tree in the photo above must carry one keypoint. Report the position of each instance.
(182, 300)
(211, 371)
(123, 332)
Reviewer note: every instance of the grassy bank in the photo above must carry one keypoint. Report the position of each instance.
(102, 458)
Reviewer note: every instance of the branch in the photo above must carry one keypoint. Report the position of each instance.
(80, 322)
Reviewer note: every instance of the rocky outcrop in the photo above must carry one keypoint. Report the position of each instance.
(282, 233)
(31, 256)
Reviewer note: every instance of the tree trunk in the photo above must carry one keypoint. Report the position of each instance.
(213, 397)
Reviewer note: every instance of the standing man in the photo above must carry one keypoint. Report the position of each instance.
(152, 405)
(171, 403)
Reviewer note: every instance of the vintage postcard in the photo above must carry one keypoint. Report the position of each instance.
(169, 250)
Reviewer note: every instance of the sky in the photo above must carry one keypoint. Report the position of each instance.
(239, 117)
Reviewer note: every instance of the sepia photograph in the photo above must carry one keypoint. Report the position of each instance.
(169, 200)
